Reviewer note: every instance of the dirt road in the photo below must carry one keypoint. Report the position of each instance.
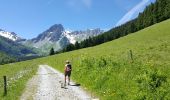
(46, 85)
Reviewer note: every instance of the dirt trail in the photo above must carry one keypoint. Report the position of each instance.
(46, 85)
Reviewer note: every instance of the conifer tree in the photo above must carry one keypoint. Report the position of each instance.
(52, 51)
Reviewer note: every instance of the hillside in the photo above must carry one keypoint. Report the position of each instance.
(4, 58)
(110, 72)
(14, 49)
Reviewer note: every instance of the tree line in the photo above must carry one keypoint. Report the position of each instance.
(154, 13)
(4, 59)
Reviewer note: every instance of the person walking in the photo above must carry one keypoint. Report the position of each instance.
(67, 71)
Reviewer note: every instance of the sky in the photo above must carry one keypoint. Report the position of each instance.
(28, 18)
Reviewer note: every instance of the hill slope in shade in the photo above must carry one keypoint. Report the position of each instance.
(14, 49)
(4, 58)
(110, 72)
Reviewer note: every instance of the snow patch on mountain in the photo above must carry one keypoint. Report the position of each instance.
(9, 35)
(70, 37)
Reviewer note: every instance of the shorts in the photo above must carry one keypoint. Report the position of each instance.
(68, 73)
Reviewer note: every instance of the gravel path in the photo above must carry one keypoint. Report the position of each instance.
(46, 85)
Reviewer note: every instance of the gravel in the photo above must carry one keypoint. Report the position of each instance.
(46, 85)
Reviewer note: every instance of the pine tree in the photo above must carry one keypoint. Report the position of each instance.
(167, 9)
(77, 46)
(52, 51)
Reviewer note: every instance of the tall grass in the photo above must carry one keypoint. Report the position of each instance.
(17, 76)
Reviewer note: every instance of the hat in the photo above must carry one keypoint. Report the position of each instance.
(67, 61)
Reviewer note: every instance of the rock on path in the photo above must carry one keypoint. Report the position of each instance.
(46, 85)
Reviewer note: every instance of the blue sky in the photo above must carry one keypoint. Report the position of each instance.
(28, 18)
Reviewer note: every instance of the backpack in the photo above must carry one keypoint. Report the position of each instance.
(68, 68)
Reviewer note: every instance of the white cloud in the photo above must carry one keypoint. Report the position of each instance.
(133, 12)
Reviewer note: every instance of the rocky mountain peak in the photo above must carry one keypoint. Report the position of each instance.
(56, 28)
(52, 34)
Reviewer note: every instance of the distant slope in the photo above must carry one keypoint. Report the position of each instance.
(4, 58)
(10, 35)
(108, 71)
(14, 49)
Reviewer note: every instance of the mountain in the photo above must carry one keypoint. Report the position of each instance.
(52, 37)
(16, 50)
(10, 35)
(57, 37)
(81, 35)
(52, 34)
(11, 50)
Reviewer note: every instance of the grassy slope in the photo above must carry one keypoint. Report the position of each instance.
(17, 76)
(107, 71)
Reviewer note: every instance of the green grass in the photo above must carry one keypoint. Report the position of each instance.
(108, 72)
(17, 76)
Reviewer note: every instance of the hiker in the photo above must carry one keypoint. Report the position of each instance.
(67, 71)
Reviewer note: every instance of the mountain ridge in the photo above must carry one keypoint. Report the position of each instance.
(10, 35)
(15, 49)
(58, 37)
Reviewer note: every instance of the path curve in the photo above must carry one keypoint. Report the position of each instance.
(46, 85)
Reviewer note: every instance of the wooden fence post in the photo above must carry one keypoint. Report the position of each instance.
(5, 85)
